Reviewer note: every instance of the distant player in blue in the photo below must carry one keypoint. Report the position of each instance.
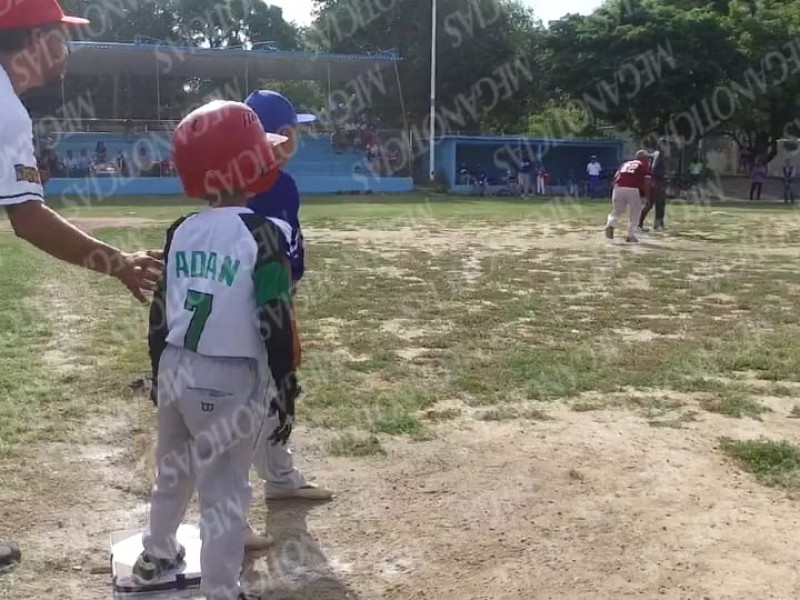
(281, 204)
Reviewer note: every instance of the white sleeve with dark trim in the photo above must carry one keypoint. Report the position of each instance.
(19, 172)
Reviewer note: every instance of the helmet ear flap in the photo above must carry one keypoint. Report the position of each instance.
(265, 181)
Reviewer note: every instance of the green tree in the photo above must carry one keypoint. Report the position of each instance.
(766, 87)
(637, 64)
(560, 120)
(235, 23)
(487, 74)
(729, 66)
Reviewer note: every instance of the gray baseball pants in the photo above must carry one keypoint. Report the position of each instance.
(211, 414)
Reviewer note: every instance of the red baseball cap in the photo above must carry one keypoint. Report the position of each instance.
(30, 14)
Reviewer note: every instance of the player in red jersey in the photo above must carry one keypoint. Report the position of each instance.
(631, 184)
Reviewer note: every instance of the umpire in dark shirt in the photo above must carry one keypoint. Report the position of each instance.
(658, 167)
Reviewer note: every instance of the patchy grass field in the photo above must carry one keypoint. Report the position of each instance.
(503, 400)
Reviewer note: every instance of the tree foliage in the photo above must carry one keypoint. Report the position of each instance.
(681, 68)
(487, 72)
(725, 67)
(639, 63)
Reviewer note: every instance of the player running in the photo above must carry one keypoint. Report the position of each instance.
(222, 345)
(631, 184)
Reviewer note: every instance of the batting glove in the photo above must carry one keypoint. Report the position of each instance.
(283, 406)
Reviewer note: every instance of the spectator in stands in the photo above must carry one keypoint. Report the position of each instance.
(593, 170)
(757, 177)
(525, 169)
(789, 173)
(144, 165)
(85, 164)
(49, 162)
(374, 157)
(100, 153)
(70, 164)
(122, 164)
(339, 141)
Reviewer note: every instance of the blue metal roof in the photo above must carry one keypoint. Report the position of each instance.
(265, 61)
(506, 139)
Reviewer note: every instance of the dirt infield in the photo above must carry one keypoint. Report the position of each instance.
(487, 486)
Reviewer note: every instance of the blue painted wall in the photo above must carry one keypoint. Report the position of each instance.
(165, 186)
(315, 155)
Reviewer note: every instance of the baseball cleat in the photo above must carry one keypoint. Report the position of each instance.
(148, 569)
(644, 230)
(632, 239)
(307, 492)
(609, 233)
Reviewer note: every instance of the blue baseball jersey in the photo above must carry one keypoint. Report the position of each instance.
(281, 204)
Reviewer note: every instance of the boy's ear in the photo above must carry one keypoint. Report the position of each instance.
(288, 148)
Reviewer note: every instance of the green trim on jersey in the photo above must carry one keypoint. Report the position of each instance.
(272, 283)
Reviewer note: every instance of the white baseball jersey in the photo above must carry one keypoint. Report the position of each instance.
(217, 275)
(593, 168)
(19, 173)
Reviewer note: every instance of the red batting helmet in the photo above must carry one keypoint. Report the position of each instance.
(221, 149)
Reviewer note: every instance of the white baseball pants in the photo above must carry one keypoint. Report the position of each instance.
(275, 463)
(211, 412)
(626, 198)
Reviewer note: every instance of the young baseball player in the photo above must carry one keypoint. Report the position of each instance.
(631, 184)
(281, 205)
(222, 346)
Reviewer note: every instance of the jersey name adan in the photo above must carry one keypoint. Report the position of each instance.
(206, 265)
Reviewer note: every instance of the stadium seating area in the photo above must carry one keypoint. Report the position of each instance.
(78, 155)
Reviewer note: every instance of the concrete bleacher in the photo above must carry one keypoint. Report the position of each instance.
(315, 166)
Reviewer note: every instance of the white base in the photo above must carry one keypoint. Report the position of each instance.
(183, 584)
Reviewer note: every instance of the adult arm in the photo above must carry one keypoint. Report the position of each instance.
(42, 227)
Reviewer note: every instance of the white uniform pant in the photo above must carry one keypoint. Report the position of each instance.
(211, 413)
(275, 463)
(626, 198)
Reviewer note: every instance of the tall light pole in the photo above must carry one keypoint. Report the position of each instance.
(431, 145)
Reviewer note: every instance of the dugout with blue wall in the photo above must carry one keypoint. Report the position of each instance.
(496, 155)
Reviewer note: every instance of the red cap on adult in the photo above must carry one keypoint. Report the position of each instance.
(30, 14)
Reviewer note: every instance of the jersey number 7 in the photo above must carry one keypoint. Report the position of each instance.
(200, 304)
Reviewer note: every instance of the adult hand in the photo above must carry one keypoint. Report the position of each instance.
(140, 272)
